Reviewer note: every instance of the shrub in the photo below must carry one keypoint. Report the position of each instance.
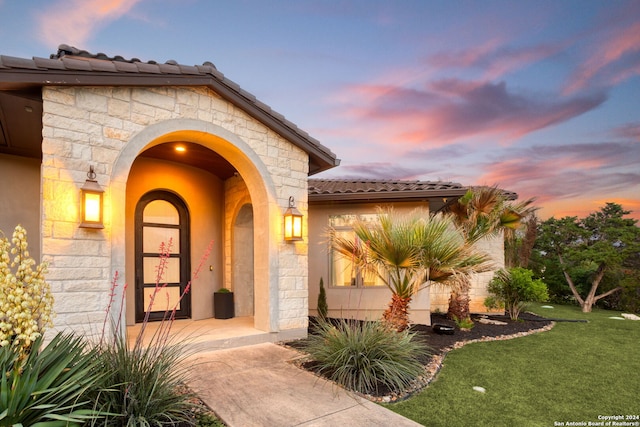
(145, 382)
(48, 386)
(366, 356)
(144, 385)
(465, 324)
(514, 288)
(25, 296)
(323, 308)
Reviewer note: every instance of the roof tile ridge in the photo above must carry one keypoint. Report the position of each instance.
(71, 51)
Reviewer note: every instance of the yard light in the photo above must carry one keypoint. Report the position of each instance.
(91, 202)
(292, 222)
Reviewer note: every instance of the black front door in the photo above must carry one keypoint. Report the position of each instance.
(162, 251)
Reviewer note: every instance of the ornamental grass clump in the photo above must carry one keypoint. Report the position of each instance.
(25, 297)
(144, 385)
(145, 382)
(367, 357)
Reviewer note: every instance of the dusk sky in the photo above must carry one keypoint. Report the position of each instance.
(539, 97)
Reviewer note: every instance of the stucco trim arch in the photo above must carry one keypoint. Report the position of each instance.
(260, 185)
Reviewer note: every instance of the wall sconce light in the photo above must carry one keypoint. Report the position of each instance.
(91, 202)
(292, 222)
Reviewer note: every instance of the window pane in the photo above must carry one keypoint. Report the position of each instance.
(344, 273)
(165, 299)
(342, 270)
(372, 279)
(153, 237)
(347, 220)
(161, 212)
(171, 271)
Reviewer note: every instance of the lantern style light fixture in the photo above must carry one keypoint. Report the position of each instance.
(292, 222)
(91, 199)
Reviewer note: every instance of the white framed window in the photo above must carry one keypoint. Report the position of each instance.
(343, 272)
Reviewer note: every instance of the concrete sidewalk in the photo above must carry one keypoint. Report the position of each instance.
(258, 386)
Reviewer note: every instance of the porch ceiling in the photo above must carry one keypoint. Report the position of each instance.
(21, 123)
(195, 155)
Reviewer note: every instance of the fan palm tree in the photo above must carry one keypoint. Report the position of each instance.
(481, 213)
(407, 252)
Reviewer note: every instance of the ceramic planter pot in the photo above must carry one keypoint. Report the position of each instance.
(223, 305)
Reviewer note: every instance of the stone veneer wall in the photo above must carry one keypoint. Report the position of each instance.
(440, 294)
(85, 126)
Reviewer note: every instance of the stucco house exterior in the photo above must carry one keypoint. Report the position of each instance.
(184, 155)
(336, 202)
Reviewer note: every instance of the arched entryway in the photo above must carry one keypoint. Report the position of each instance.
(242, 277)
(259, 192)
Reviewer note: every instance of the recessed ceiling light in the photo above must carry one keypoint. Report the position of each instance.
(180, 148)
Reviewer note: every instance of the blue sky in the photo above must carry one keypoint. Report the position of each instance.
(539, 97)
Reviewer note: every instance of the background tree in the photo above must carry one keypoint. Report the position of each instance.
(594, 252)
(483, 212)
(407, 252)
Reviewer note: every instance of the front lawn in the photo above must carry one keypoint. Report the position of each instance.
(574, 373)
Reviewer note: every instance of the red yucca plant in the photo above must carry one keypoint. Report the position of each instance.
(145, 385)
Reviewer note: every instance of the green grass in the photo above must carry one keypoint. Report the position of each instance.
(574, 372)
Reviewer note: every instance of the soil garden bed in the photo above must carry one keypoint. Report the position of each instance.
(441, 344)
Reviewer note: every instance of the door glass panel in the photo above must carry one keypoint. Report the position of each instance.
(165, 299)
(161, 212)
(171, 271)
(155, 236)
(162, 218)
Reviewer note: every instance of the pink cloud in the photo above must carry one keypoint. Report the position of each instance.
(610, 61)
(494, 59)
(452, 109)
(377, 170)
(583, 206)
(629, 131)
(581, 176)
(75, 21)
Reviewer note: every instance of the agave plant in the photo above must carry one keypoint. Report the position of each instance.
(407, 252)
(48, 386)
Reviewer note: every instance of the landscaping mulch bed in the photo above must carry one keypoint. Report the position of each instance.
(527, 322)
(441, 344)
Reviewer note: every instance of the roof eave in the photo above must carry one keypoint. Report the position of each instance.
(385, 196)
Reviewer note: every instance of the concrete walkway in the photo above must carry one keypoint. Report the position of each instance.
(258, 386)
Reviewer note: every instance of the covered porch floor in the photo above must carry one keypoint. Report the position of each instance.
(212, 334)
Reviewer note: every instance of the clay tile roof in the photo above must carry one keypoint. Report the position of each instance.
(71, 66)
(371, 189)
